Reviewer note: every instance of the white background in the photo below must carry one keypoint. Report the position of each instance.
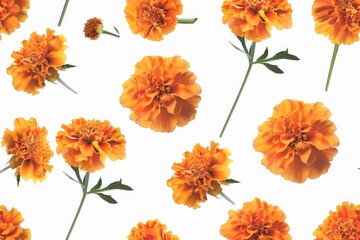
(103, 65)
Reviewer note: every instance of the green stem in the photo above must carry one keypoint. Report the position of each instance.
(333, 58)
(227, 198)
(84, 188)
(63, 12)
(186, 20)
(110, 33)
(65, 85)
(251, 62)
(4, 169)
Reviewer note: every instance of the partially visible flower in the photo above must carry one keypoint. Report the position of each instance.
(342, 224)
(256, 220)
(339, 20)
(298, 140)
(40, 59)
(94, 28)
(162, 93)
(29, 148)
(152, 19)
(201, 172)
(255, 19)
(152, 229)
(10, 228)
(12, 13)
(87, 143)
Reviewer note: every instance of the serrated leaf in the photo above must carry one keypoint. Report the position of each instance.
(282, 55)
(107, 198)
(231, 181)
(263, 56)
(236, 47)
(273, 68)
(77, 173)
(97, 186)
(243, 43)
(117, 31)
(113, 186)
(71, 177)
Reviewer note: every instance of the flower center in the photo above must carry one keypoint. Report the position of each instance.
(35, 62)
(345, 229)
(348, 10)
(151, 14)
(258, 228)
(295, 132)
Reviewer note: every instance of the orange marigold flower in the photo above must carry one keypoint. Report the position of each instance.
(256, 220)
(12, 12)
(337, 19)
(86, 143)
(343, 224)
(93, 28)
(152, 229)
(38, 60)
(10, 228)
(29, 148)
(152, 19)
(255, 19)
(202, 171)
(162, 93)
(298, 140)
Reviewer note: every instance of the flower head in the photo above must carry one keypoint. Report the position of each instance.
(10, 225)
(343, 224)
(256, 220)
(298, 140)
(29, 148)
(255, 19)
(152, 229)
(337, 19)
(93, 28)
(201, 172)
(152, 19)
(86, 143)
(38, 60)
(12, 13)
(162, 93)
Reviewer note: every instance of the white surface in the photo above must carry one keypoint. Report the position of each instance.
(103, 65)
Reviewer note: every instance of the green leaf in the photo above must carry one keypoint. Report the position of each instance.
(273, 68)
(236, 47)
(18, 180)
(71, 178)
(66, 66)
(263, 56)
(77, 173)
(282, 55)
(243, 43)
(231, 181)
(107, 198)
(113, 186)
(117, 31)
(97, 186)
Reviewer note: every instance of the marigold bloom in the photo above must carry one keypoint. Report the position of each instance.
(298, 140)
(162, 93)
(256, 220)
(255, 19)
(10, 228)
(152, 229)
(29, 148)
(152, 19)
(343, 224)
(86, 143)
(202, 171)
(12, 13)
(337, 19)
(38, 60)
(93, 28)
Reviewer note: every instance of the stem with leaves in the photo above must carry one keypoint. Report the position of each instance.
(94, 190)
(250, 53)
